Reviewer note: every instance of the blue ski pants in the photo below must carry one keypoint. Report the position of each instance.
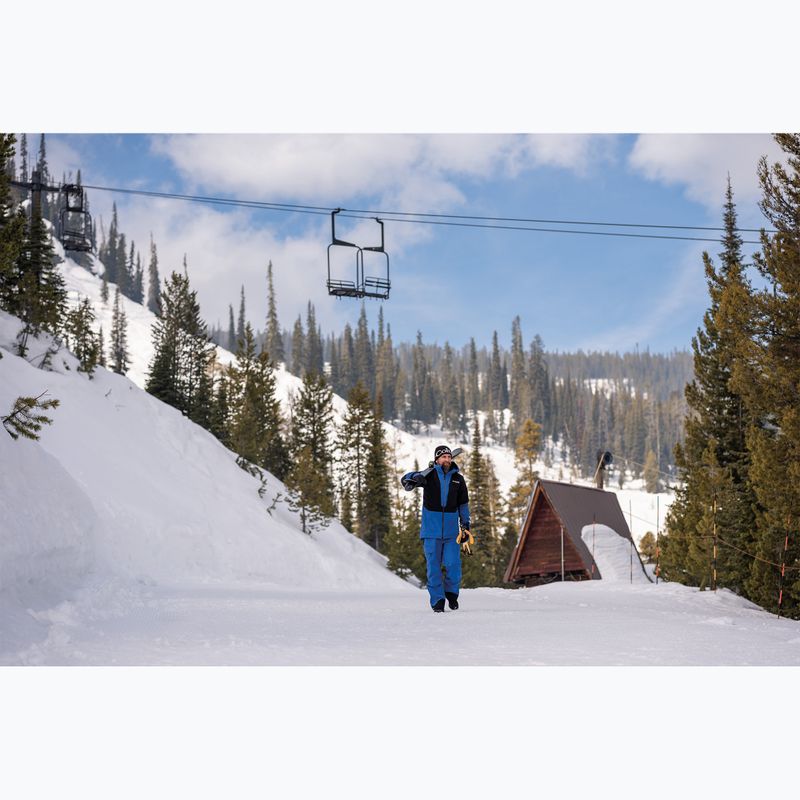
(442, 553)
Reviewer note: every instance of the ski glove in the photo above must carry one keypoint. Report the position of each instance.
(465, 539)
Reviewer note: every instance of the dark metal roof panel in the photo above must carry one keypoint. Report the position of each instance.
(579, 506)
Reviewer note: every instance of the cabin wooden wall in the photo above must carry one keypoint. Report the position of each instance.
(542, 547)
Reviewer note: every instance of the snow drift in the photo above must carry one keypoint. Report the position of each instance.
(122, 485)
(613, 554)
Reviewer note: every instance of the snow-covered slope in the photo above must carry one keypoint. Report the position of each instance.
(124, 486)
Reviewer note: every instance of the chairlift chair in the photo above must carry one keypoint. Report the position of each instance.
(74, 221)
(339, 287)
(376, 286)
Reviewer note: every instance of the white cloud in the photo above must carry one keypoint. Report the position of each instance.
(576, 152)
(331, 168)
(702, 162)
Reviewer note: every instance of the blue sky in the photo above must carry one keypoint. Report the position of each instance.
(575, 291)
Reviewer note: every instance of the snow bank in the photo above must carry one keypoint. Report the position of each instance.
(47, 522)
(612, 554)
(122, 484)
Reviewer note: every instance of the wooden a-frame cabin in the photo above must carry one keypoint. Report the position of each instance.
(550, 547)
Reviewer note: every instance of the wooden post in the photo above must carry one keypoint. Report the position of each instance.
(714, 560)
(594, 522)
(562, 554)
(658, 525)
(783, 567)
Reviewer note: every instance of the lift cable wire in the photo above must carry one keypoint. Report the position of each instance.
(438, 219)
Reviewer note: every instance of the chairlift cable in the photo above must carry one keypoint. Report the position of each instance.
(425, 218)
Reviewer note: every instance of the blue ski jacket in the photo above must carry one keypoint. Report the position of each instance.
(444, 500)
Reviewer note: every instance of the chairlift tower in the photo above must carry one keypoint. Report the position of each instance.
(74, 225)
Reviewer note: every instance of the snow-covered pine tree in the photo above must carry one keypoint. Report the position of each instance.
(179, 373)
(153, 281)
(138, 280)
(40, 299)
(12, 231)
(82, 339)
(119, 337)
(23, 420)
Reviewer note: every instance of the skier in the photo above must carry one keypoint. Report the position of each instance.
(445, 524)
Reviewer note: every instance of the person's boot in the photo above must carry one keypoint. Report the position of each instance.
(439, 605)
(452, 599)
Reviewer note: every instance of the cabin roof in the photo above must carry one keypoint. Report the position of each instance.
(578, 506)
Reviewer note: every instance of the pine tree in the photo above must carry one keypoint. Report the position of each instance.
(242, 318)
(377, 511)
(138, 280)
(180, 372)
(519, 393)
(23, 420)
(526, 452)
(220, 411)
(82, 339)
(473, 387)
(353, 445)
(298, 348)
(24, 156)
(232, 347)
(346, 507)
(119, 337)
(767, 374)
(364, 357)
(651, 476)
(312, 350)
(124, 278)
(101, 348)
(715, 435)
(41, 164)
(477, 569)
(274, 341)
(40, 297)
(153, 281)
(256, 424)
(12, 231)
(310, 479)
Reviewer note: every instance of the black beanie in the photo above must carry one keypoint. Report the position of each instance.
(441, 450)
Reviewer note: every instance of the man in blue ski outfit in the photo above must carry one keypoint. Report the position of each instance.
(444, 502)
